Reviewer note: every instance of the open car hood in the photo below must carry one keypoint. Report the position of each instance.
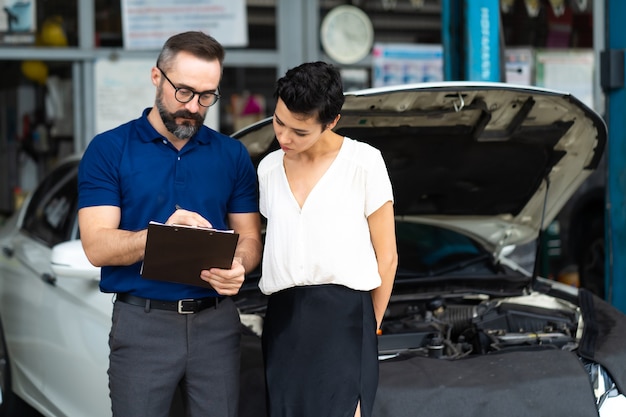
(493, 161)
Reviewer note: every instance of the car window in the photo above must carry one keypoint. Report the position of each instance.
(51, 213)
(423, 248)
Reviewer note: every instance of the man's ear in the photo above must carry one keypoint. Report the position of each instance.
(155, 76)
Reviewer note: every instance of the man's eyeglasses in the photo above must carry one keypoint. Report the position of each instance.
(185, 95)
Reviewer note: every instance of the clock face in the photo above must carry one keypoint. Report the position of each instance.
(347, 34)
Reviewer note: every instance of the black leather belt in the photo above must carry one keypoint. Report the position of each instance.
(185, 306)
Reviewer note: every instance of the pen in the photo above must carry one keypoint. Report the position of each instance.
(178, 207)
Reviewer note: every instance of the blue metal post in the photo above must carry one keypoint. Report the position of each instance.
(615, 226)
(482, 26)
(471, 40)
(452, 40)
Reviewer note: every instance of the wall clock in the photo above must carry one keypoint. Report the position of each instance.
(347, 34)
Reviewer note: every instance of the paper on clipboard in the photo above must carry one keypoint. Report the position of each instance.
(177, 253)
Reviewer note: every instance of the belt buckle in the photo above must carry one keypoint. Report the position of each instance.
(181, 308)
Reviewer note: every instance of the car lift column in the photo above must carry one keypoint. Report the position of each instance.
(471, 33)
(612, 81)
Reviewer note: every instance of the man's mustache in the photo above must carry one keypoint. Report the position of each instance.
(186, 115)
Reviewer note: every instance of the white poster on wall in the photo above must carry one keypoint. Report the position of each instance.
(519, 64)
(147, 24)
(124, 89)
(397, 63)
(569, 70)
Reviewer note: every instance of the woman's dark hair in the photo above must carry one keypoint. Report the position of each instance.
(312, 88)
(196, 43)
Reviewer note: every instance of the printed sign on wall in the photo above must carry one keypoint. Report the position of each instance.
(148, 23)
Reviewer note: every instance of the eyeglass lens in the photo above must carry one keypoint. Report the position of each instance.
(185, 95)
(205, 99)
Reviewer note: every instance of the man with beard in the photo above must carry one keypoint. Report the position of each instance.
(167, 166)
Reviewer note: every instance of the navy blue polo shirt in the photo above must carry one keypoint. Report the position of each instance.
(135, 168)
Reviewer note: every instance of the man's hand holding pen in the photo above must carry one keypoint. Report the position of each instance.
(188, 218)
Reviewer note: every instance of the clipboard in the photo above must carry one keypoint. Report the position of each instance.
(177, 253)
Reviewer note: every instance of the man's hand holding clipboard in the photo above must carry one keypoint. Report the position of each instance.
(186, 253)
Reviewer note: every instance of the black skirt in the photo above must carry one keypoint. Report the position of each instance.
(321, 352)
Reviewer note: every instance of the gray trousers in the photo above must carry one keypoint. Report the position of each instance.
(155, 351)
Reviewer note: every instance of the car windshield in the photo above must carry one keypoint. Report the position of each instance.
(426, 250)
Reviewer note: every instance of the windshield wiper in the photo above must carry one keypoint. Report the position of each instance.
(459, 265)
(407, 273)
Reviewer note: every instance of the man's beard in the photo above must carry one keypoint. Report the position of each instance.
(184, 130)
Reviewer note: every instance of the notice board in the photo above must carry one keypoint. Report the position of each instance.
(147, 24)
(124, 89)
(569, 70)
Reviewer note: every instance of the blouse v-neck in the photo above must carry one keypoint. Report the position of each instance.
(318, 183)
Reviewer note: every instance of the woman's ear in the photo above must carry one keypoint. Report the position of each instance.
(332, 124)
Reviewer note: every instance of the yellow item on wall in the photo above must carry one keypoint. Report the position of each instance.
(52, 32)
(35, 71)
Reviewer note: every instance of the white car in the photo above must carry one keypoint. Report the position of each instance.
(55, 323)
(476, 168)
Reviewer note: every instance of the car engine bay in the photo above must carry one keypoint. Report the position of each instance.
(455, 327)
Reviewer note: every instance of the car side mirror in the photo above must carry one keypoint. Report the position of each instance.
(69, 260)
